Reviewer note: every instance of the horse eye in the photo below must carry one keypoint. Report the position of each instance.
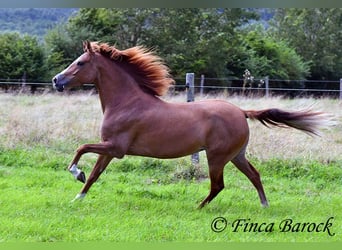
(80, 63)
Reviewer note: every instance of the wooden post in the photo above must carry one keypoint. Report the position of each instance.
(190, 87)
(267, 93)
(340, 88)
(202, 85)
(23, 84)
(190, 90)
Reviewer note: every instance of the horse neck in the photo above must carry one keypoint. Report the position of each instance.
(118, 90)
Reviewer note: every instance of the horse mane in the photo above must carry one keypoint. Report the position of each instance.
(149, 70)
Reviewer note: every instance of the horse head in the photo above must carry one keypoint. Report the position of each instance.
(79, 72)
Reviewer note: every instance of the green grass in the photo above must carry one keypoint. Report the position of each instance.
(145, 200)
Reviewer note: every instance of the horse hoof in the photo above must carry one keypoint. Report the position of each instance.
(79, 197)
(81, 177)
(265, 204)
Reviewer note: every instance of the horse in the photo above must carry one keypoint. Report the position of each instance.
(136, 121)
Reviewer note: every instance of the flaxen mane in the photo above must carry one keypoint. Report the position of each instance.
(151, 73)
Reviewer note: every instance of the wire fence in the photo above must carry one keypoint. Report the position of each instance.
(265, 87)
(255, 87)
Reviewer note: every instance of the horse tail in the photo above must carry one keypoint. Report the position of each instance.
(307, 121)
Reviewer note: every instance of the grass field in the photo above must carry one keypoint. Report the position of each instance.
(148, 200)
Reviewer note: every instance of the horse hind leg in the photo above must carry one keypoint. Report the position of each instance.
(216, 181)
(252, 174)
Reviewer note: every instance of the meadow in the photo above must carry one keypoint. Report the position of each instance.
(149, 200)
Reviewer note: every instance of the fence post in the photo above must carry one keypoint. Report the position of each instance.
(190, 90)
(23, 83)
(190, 86)
(267, 93)
(202, 85)
(340, 88)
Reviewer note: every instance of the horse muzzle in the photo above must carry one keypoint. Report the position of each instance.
(59, 82)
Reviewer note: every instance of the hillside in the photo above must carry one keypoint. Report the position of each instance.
(37, 21)
(33, 21)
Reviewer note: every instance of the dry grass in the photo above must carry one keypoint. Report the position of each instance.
(54, 120)
(47, 119)
(281, 143)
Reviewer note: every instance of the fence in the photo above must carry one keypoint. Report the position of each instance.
(261, 87)
(265, 87)
(32, 87)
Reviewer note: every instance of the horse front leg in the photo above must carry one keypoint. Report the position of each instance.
(100, 166)
(77, 173)
(106, 151)
(103, 148)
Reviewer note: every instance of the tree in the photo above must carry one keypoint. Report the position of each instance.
(122, 27)
(316, 35)
(196, 40)
(274, 58)
(214, 42)
(19, 56)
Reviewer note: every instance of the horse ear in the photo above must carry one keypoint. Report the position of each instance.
(87, 47)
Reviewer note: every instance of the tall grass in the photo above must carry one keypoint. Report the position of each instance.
(49, 120)
(66, 121)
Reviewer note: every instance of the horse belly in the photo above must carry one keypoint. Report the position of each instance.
(169, 143)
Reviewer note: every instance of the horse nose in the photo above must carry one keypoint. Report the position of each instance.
(57, 82)
(55, 79)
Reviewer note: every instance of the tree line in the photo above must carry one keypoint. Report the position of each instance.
(292, 44)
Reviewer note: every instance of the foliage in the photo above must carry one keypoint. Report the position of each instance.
(274, 58)
(206, 41)
(21, 56)
(202, 43)
(284, 43)
(181, 40)
(114, 26)
(314, 33)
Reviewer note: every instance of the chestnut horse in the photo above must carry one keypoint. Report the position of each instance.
(137, 122)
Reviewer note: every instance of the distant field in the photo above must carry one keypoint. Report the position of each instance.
(148, 200)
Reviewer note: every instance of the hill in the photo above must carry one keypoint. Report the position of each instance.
(33, 21)
(37, 21)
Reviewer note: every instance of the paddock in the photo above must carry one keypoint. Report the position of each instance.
(39, 131)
